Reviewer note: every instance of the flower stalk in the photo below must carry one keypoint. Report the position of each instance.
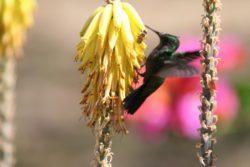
(104, 132)
(7, 111)
(211, 29)
(109, 52)
(16, 16)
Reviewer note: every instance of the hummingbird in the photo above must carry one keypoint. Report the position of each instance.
(163, 62)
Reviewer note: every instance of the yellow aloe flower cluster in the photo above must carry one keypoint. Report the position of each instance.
(110, 50)
(15, 17)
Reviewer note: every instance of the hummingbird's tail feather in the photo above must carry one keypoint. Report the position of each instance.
(137, 97)
(132, 102)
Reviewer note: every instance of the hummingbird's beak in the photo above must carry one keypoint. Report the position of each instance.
(157, 32)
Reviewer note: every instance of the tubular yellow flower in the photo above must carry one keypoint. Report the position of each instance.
(110, 50)
(15, 17)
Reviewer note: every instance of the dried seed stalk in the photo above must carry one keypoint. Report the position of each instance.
(211, 29)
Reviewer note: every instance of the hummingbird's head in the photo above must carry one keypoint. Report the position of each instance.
(171, 42)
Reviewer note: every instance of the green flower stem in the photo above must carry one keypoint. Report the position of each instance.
(211, 29)
(7, 109)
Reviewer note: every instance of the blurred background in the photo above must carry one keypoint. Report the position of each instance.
(50, 131)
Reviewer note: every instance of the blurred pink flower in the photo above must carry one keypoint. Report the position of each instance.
(232, 51)
(174, 106)
(188, 112)
(152, 118)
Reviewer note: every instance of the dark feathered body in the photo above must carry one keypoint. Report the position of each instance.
(134, 100)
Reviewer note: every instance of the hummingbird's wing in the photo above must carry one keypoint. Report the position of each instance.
(186, 57)
(178, 70)
(178, 66)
